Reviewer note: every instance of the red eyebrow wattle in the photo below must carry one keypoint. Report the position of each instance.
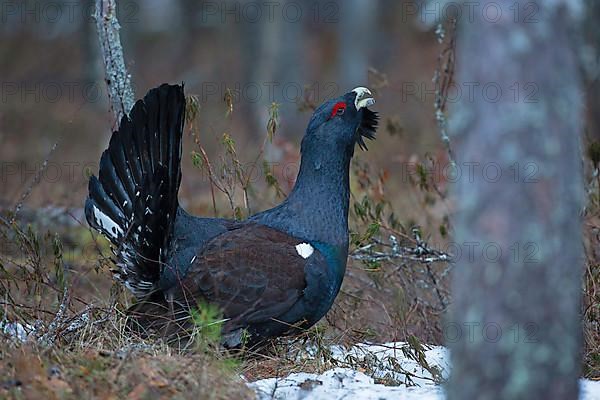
(337, 106)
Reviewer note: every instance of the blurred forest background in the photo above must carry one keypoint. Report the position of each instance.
(238, 58)
(53, 89)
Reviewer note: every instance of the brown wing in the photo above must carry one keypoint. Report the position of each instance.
(253, 273)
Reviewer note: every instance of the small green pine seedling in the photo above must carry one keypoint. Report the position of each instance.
(208, 323)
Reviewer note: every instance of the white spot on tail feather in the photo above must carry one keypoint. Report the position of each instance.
(110, 227)
(304, 250)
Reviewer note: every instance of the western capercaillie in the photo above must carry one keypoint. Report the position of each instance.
(275, 273)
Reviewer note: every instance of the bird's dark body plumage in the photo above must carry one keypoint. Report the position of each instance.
(277, 272)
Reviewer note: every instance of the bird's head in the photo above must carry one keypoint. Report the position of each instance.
(341, 123)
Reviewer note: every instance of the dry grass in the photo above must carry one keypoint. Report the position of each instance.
(591, 288)
(30, 373)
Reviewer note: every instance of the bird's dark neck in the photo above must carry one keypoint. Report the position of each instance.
(317, 207)
(323, 184)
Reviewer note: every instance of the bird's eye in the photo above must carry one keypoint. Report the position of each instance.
(338, 109)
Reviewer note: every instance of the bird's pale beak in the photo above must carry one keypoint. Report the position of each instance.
(364, 98)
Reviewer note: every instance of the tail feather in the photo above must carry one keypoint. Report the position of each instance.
(133, 202)
(111, 183)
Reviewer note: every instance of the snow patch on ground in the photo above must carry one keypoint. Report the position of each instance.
(386, 361)
(389, 362)
(590, 390)
(336, 384)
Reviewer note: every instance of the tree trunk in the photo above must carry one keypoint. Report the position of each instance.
(514, 330)
(118, 80)
(592, 64)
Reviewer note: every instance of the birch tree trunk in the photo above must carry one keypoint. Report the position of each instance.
(514, 330)
(118, 80)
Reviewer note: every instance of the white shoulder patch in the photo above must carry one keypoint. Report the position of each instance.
(305, 250)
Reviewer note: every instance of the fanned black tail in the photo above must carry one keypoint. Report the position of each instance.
(133, 202)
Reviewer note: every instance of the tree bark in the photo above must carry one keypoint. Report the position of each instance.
(118, 80)
(514, 328)
(592, 68)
